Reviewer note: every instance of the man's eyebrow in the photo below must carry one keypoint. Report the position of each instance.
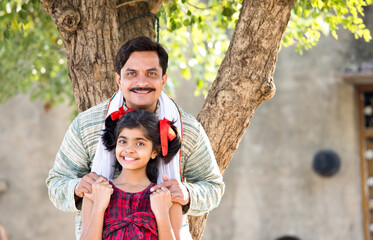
(134, 70)
(130, 70)
(153, 69)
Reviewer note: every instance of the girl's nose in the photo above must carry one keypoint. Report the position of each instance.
(129, 150)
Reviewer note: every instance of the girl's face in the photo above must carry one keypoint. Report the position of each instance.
(133, 149)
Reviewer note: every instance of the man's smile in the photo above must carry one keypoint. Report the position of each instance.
(142, 90)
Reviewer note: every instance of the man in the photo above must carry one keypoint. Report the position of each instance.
(194, 179)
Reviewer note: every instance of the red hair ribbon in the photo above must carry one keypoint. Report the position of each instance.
(118, 114)
(166, 132)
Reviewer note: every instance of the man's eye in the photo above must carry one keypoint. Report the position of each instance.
(130, 74)
(152, 74)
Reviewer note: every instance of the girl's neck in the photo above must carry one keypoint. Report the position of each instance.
(132, 181)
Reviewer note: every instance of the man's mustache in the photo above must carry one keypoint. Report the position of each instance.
(142, 89)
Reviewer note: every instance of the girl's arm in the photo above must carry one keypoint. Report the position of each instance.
(176, 217)
(93, 210)
(167, 215)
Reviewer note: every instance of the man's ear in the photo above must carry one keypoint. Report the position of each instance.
(117, 79)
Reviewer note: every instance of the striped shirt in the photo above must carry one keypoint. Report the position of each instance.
(201, 174)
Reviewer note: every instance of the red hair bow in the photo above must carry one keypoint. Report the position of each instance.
(166, 132)
(118, 114)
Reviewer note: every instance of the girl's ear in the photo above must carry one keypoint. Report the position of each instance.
(154, 154)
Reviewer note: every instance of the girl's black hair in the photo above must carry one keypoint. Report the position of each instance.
(150, 124)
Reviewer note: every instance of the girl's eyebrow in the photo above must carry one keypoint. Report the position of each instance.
(139, 138)
(143, 139)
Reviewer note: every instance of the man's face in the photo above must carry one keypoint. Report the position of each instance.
(141, 80)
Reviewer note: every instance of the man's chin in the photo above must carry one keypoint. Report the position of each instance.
(145, 107)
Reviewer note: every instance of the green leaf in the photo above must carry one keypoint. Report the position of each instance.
(227, 12)
(6, 34)
(25, 7)
(186, 22)
(23, 15)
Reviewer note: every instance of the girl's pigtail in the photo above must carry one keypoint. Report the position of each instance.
(152, 169)
(108, 135)
(173, 146)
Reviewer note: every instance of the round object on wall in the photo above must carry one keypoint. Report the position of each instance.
(326, 162)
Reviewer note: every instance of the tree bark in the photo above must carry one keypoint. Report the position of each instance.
(244, 80)
(137, 19)
(89, 32)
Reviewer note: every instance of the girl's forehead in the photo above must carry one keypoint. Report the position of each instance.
(134, 132)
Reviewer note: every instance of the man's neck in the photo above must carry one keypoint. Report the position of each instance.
(156, 111)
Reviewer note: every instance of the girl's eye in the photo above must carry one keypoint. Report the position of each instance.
(140, 144)
(122, 141)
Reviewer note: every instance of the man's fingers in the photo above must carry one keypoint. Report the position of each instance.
(91, 178)
(175, 195)
(94, 175)
(101, 179)
(164, 177)
(164, 184)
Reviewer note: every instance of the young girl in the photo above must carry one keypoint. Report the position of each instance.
(125, 208)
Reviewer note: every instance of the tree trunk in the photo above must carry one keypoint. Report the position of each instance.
(91, 36)
(244, 80)
(89, 32)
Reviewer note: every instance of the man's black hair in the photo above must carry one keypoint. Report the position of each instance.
(140, 44)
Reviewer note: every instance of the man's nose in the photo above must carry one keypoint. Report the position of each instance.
(142, 81)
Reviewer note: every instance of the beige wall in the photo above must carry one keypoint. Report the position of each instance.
(29, 141)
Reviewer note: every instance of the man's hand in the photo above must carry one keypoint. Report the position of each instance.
(179, 193)
(85, 185)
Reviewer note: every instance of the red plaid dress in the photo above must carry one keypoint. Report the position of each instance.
(129, 216)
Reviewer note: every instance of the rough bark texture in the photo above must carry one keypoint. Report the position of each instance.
(89, 32)
(135, 19)
(91, 36)
(244, 80)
